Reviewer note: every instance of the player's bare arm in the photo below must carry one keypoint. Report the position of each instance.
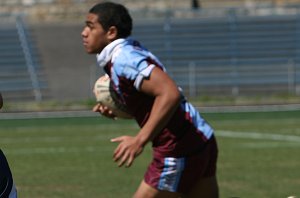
(167, 98)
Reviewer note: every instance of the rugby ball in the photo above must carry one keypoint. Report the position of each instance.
(106, 96)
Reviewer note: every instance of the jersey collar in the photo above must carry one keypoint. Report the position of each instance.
(106, 54)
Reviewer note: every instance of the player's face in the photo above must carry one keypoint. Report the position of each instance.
(94, 37)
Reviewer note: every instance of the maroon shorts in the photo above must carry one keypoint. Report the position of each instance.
(180, 174)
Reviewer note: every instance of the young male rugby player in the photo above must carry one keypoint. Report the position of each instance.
(184, 146)
(7, 188)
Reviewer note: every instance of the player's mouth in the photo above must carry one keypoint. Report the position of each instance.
(85, 43)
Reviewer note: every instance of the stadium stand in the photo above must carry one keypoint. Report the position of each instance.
(236, 55)
(21, 75)
(57, 10)
(230, 52)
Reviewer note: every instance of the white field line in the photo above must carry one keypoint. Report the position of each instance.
(55, 139)
(50, 150)
(258, 136)
(250, 108)
(104, 137)
(58, 150)
(47, 114)
(204, 109)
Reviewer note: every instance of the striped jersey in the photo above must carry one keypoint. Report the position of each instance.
(127, 63)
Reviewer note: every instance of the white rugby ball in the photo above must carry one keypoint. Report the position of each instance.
(106, 96)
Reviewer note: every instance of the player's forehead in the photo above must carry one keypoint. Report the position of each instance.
(92, 19)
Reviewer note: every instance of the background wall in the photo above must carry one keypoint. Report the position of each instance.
(68, 66)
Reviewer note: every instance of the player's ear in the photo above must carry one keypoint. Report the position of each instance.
(112, 33)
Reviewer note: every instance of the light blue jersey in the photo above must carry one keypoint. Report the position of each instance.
(128, 63)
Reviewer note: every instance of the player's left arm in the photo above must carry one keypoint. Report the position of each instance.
(167, 99)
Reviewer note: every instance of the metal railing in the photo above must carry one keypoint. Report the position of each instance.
(28, 57)
(196, 80)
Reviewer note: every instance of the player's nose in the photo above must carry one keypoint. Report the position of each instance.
(84, 32)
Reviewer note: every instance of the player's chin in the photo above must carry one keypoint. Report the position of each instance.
(90, 50)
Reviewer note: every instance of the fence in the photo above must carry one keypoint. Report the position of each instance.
(229, 55)
(20, 74)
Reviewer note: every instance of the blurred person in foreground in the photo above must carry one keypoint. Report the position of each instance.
(7, 188)
(184, 147)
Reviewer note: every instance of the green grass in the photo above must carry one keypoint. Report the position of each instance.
(72, 157)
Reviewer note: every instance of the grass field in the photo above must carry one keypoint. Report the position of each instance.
(72, 157)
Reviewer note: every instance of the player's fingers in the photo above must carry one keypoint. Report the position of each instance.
(116, 151)
(96, 108)
(133, 156)
(123, 159)
(130, 160)
(105, 111)
(117, 139)
(119, 152)
(110, 114)
(100, 108)
(104, 78)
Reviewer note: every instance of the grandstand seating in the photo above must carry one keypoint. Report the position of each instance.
(16, 82)
(231, 55)
(226, 55)
(72, 10)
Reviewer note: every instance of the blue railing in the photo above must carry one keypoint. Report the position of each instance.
(29, 58)
(234, 53)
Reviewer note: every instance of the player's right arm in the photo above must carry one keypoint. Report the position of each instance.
(167, 100)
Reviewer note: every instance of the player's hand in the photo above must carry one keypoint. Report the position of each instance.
(104, 77)
(105, 111)
(128, 149)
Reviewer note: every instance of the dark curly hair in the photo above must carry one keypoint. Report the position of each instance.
(113, 14)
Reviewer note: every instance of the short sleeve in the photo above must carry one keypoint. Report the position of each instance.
(143, 74)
